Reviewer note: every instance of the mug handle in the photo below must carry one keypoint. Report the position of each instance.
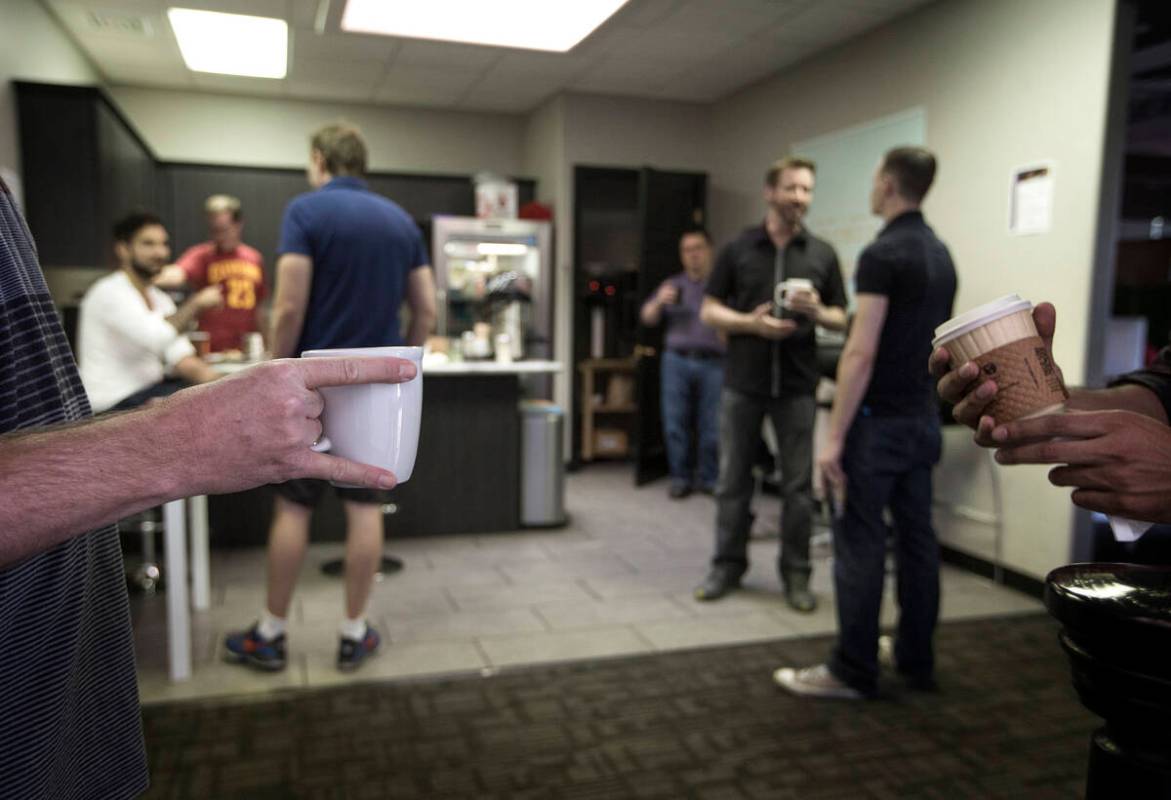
(322, 445)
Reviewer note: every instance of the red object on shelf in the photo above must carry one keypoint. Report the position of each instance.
(535, 210)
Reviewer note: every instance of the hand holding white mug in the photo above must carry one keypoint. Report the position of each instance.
(376, 424)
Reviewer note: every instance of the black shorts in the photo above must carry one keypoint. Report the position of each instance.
(307, 492)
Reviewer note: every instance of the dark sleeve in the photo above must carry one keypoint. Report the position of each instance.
(835, 291)
(294, 233)
(721, 283)
(1156, 377)
(875, 274)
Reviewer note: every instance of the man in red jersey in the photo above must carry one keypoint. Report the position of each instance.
(227, 262)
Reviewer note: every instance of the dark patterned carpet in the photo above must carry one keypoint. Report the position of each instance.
(697, 724)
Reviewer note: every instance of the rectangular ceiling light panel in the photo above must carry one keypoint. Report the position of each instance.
(231, 44)
(527, 24)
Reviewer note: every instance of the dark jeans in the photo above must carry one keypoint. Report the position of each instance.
(690, 394)
(741, 416)
(888, 463)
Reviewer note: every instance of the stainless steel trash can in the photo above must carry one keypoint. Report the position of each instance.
(542, 468)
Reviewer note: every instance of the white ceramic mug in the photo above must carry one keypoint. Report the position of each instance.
(374, 423)
(784, 288)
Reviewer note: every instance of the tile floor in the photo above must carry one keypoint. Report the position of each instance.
(616, 581)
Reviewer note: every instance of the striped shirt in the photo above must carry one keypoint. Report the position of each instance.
(69, 719)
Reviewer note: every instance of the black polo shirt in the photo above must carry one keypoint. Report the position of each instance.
(912, 268)
(745, 275)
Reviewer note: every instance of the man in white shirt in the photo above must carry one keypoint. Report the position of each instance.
(131, 345)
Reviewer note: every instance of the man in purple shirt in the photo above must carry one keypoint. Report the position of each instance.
(692, 369)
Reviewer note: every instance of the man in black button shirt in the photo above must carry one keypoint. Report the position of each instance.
(771, 368)
(884, 440)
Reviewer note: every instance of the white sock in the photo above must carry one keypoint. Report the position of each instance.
(353, 629)
(270, 625)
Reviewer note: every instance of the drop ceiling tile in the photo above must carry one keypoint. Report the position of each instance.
(350, 79)
(425, 85)
(643, 13)
(744, 17)
(343, 46)
(422, 53)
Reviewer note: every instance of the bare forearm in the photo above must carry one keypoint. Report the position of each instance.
(832, 317)
(651, 312)
(719, 316)
(184, 315)
(1128, 397)
(853, 377)
(286, 330)
(62, 482)
(422, 325)
(194, 369)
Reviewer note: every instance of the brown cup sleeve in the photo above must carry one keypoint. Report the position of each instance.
(1026, 378)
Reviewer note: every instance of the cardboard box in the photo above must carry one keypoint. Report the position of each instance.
(610, 442)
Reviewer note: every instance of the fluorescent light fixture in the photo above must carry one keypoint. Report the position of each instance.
(501, 249)
(552, 25)
(231, 44)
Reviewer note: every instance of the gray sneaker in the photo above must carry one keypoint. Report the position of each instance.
(717, 584)
(798, 596)
(815, 681)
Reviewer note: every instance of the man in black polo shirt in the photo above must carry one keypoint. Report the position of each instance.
(884, 440)
(771, 369)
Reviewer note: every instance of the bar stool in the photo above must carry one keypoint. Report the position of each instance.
(1116, 632)
(146, 576)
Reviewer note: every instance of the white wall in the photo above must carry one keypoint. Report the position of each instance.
(1003, 83)
(34, 48)
(270, 132)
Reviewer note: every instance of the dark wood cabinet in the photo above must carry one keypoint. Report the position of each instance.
(627, 225)
(84, 166)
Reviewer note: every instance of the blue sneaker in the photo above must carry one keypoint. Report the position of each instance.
(248, 647)
(352, 652)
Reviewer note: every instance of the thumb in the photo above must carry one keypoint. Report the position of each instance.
(342, 470)
(1045, 318)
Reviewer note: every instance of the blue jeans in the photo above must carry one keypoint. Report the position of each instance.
(741, 416)
(888, 462)
(690, 395)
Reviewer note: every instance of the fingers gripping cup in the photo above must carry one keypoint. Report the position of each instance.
(1001, 338)
(374, 423)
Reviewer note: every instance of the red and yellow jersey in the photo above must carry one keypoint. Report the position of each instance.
(240, 276)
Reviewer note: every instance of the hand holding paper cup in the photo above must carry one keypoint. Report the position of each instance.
(374, 423)
(1002, 340)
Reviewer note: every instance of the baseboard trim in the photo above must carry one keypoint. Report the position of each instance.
(1010, 577)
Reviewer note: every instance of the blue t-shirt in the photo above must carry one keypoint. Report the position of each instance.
(362, 246)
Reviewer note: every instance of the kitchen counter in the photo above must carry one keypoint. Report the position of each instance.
(447, 368)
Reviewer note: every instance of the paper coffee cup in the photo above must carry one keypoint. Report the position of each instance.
(1001, 338)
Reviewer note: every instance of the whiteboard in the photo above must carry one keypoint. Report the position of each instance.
(846, 160)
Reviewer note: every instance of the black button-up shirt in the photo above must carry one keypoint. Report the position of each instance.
(746, 273)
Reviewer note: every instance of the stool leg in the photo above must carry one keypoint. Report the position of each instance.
(178, 616)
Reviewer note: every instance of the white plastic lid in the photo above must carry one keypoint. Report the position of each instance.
(978, 316)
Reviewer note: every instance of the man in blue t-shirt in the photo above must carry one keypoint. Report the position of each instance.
(349, 258)
(883, 441)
